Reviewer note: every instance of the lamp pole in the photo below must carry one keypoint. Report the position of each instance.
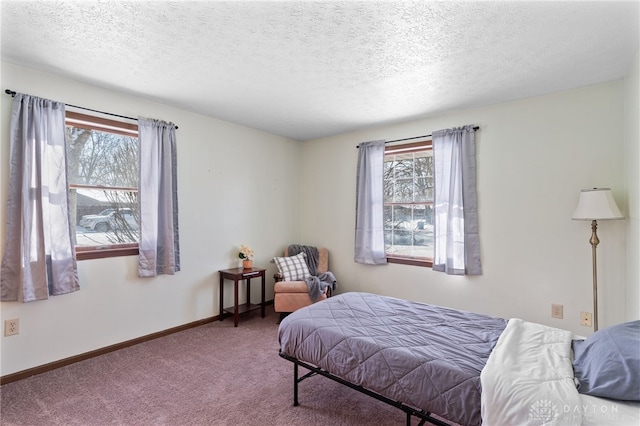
(594, 242)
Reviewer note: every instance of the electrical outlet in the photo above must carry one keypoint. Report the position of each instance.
(11, 327)
(585, 319)
(556, 311)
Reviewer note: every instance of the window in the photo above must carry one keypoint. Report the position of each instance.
(102, 162)
(408, 203)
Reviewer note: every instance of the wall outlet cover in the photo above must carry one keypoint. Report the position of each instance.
(11, 327)
(556, 311)
(586, 319)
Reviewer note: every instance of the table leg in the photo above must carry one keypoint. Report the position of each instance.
(221, 297)
(248, 291)
(235, 303)
(262, 305)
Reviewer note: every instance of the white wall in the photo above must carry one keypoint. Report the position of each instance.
(632, 179)
(533, 157)
(236, 186)
(242, 186)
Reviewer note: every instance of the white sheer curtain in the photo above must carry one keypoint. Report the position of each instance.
(457, 246)
(369, 241)
(158, 199)
(39, 255)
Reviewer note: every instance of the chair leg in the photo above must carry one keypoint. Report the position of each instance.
(283, 315)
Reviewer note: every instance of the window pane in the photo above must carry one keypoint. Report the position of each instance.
(388, 218)
(101, 159)
(402, 216)
(106, 217)
(389, 190)
(408, 194)
(423, 231)
(103, 179)
(409, 231)
(424, 167)
(423, 190)
(403, 190)
(388, 169)
(401, 238)
(423, 216)
(403, 167)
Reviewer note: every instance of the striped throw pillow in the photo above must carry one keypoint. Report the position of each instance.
(292, 268)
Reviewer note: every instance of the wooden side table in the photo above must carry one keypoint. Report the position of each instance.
(239, 274)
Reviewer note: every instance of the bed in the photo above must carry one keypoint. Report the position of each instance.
(443, 365)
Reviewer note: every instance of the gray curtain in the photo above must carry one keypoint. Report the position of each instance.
(158, 199)
(369, 241)
(457, 246)
(39, 254)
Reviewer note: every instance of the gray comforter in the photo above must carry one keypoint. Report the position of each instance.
(428, 357)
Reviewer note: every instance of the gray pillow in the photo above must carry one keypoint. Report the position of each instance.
(607, 363)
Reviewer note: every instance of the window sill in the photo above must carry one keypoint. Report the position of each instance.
(428, 263)
(86, 253)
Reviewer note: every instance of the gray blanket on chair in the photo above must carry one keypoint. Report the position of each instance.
(316, 283)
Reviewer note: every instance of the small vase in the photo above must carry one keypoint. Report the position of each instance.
(247, 264)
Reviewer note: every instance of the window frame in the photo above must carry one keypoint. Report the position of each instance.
(424, 145)
(92, 122)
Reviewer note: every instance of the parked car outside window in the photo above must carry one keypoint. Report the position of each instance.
(109, 219)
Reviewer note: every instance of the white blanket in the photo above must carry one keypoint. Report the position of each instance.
(528, 379)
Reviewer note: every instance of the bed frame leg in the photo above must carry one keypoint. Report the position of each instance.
(295, 384)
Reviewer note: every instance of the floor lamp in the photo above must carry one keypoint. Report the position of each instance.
(594, 205)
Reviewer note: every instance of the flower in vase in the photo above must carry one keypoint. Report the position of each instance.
(246, 253)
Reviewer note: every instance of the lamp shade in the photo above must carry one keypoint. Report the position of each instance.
(597, 204)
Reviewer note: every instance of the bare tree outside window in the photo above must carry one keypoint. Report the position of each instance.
(408, 201)
(103, 181)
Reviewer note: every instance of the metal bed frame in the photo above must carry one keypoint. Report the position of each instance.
(424, 416)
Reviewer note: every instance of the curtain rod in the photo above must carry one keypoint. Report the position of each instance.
(414, 137)
(13, 94)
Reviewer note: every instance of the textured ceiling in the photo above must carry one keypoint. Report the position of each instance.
(308, 69)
